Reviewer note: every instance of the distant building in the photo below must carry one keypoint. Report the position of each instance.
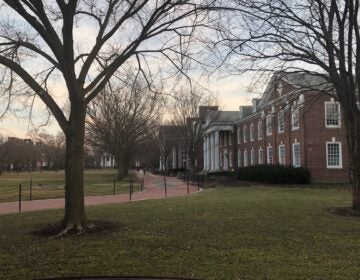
(107, 160)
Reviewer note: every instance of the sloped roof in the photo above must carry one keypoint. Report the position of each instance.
(224, 116)
(301, 80)
(307, 81)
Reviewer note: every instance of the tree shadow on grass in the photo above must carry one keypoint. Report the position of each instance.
(344, 212)
(97, 227)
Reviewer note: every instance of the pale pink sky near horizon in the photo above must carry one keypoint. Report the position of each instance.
(232, 92)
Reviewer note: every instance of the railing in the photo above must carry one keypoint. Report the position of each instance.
(27, 191)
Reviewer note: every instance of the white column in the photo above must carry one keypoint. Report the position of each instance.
(179, 157)
(204, 154)
(217, 150)
(208, 149)
(212, 148)
(226, 160)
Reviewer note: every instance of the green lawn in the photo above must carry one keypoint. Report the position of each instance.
(223, 233)
(49, 184)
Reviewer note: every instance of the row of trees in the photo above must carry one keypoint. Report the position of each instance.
(46, 153)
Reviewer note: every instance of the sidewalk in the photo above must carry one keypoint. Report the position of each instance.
(154, 189)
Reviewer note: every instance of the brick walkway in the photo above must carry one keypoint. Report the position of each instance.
(154, 189)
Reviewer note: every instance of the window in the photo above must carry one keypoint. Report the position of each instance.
(245, 158)
(238, 135)
(333, 155)
(268, 124)
(239, 158)
(244, 133)
(296, 155)
(295, 118)
(260, 130)
(332, 114)
(281, 121)
(269, 155)
(252, 157)
(230, 139)
(282, 154)
(230, 158)
(221, 160)
(261, 156)
(252, 132)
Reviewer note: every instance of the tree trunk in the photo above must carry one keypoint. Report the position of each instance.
(352, 121)
(74, 217)
(119, 169)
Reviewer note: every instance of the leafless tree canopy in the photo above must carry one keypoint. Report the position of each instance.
(192, 126)
(119, 120)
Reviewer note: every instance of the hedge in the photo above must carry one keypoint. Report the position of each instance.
(274, 174)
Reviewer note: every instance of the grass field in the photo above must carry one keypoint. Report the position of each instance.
(50, 184)
(223, 233)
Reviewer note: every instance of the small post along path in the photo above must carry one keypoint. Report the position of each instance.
(154, 189)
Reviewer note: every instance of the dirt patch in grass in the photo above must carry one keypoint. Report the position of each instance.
(97, 227)
(344, 211)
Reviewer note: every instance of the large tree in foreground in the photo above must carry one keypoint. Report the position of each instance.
(80, 44)
(320, 37)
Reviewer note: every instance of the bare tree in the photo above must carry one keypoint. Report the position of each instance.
(122, 119)
(51, 149)
(39, 45)
(318, 37)
(193, 127)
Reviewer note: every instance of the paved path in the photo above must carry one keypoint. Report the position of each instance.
(154, 189)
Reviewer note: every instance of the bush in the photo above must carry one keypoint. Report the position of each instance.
(274, 174)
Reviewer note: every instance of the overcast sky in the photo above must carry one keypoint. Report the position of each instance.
(232, 91)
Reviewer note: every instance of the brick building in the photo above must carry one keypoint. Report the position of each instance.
(296, 122)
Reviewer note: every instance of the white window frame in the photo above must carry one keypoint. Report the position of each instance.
(260, 129)
(239, 135)
(282, 157)
(268, 155)
(296, 162)
(244, 133)
(252, 132)
(295, 112)
(246, 162)
(260, 156)
(340, 166)
(281, 121)
(239, 158)
(252, 157)
(327, 103)
(269, 124)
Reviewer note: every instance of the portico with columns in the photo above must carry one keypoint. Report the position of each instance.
(217, 158)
